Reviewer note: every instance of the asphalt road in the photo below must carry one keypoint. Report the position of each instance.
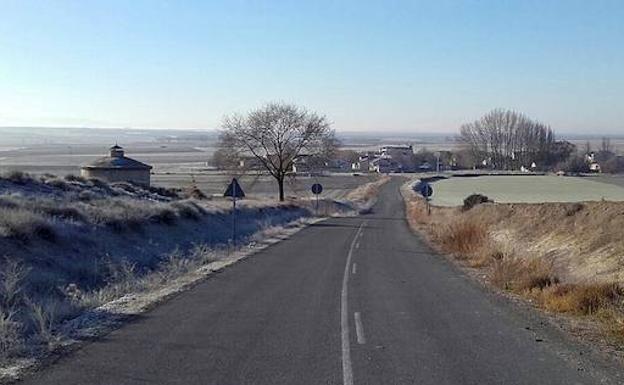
(347, 301)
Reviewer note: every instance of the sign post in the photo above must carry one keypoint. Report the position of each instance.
(234, 191)
(317, 189)
(426, 191)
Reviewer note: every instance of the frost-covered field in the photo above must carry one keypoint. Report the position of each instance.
(526, 188)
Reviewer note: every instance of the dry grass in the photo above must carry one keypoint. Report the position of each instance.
(18, 177)
(582, 299)
(463, 237)
(28, 218)
(520, 275)
(10, 333)
(24, 225)
(12, 273)
(367, 191)
(54, 288)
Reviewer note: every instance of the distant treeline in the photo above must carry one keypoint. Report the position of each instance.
(509, 140)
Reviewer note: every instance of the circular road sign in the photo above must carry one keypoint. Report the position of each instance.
(426, 190)
(317, 188)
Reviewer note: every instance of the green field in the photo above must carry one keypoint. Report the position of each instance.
(529, 189)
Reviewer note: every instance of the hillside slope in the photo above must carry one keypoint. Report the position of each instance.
(563, 257)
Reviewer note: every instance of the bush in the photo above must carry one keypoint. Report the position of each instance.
(10, 333)
(575, 165)
(99, 183)
(195, 193)
(188, 210)
(86, 196)
(129, 187)
(58, 183)
(614, 165)
(574, 208)
(64, 212)
(18, 177)
(75, 178)
(24, 225)
(164, 216)
(583, 299)
(12, 274)
(473, 200)
(7, 202)
(521, 275)
(463, 237)
(165, 192)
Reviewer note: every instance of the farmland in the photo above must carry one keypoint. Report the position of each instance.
(179, 159)
(527, 189)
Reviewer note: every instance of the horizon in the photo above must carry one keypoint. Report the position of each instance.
(370, 134)
(418, 67)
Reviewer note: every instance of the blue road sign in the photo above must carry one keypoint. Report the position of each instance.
(317, 188)
(426, 190)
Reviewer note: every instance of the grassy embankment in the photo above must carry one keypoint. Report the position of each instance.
(364, 196)
(69, 245)
(563, 257)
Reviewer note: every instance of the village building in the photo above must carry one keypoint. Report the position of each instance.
(389, 159)
(118, 168)
(365, 162)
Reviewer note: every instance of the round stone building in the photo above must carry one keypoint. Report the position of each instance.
(118, 168)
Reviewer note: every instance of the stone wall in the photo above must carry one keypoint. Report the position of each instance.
(140, 177)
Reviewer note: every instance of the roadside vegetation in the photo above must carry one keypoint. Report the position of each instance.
(562, 257)
(70, 245)
(364, 196)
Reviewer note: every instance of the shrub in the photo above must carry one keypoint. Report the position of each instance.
(473, 200)
(65, 212)
(129, 187)
(98, 183)
(584, 299)
(45, 176)
(573, 209)
(7, 202)
(614, 165)
(163, 216)
(188, 210)
(75, 178)
(86, 196)
(43, 319)
(463, 236)
(519, 275)
(58, 183)
(12, 274)
(195, 193)
(18, 177)
(23, 225)
(10, 333)
(163, 191)
(574, 165)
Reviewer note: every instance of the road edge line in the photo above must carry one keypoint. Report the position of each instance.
(347, 368)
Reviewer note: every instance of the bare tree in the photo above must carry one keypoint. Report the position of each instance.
(606, 145)
(276, 136)
(508, 139)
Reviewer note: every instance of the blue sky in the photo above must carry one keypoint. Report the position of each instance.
(388, 65)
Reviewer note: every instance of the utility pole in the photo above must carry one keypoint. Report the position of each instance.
(437, 162)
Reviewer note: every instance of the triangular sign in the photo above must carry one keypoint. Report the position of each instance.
(234, 190)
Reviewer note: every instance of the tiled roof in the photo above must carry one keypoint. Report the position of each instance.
(118, 162)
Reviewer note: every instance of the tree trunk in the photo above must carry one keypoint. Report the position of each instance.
(280, 184)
